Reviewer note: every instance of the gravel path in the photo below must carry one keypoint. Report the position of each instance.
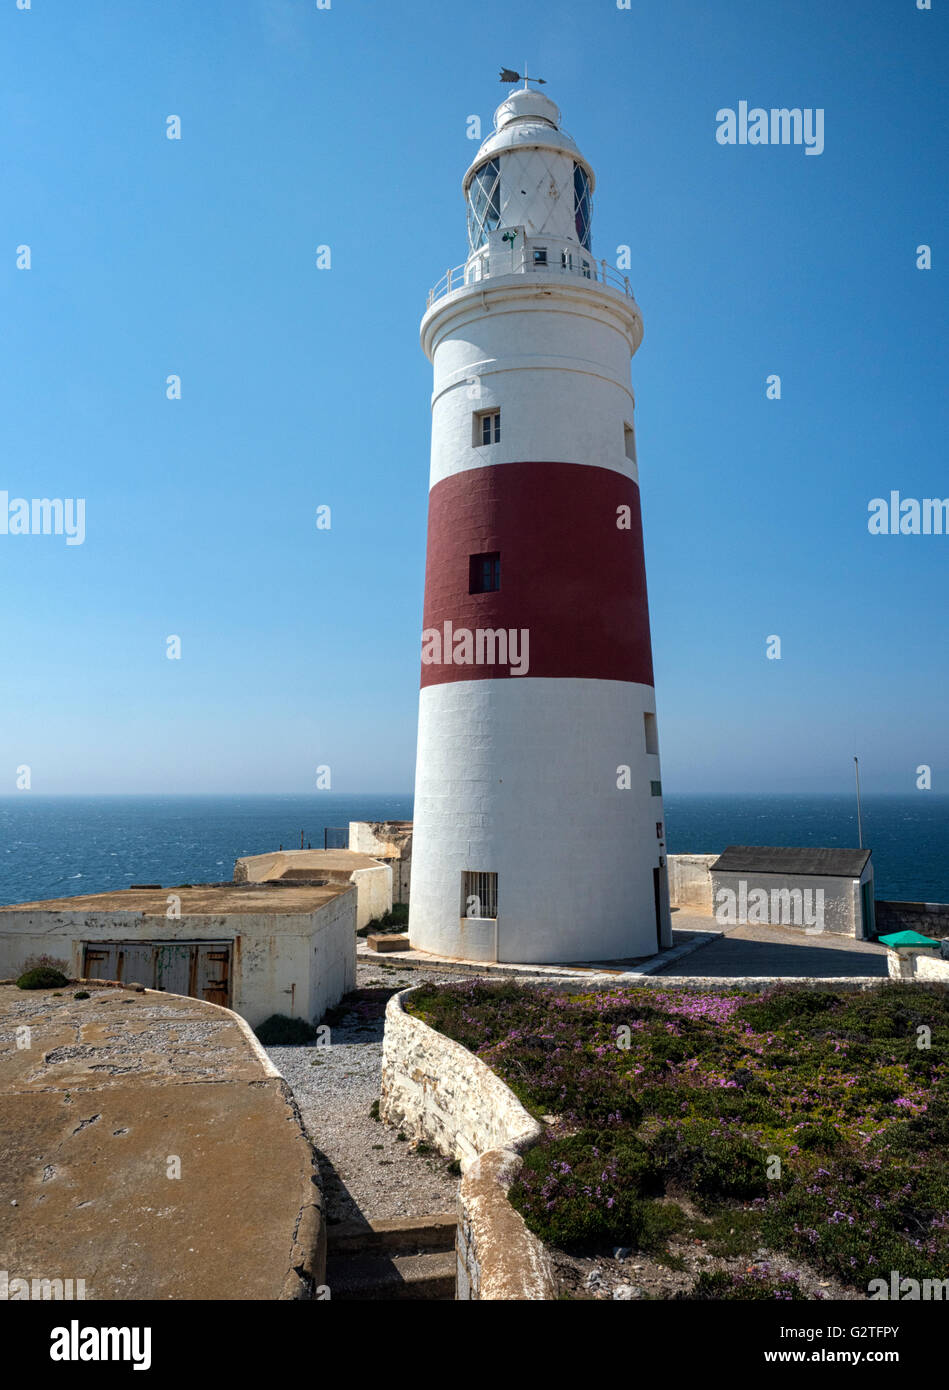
(368, 1172)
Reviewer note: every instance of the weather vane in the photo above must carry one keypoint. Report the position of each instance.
(508, 75)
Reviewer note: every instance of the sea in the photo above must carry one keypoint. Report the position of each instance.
(58, 846)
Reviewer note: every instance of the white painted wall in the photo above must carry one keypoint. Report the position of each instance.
(690, 883)
(841, 895)
(298, 964)
(374, 889)
(556, 364)
(390, 842)
(518, 777)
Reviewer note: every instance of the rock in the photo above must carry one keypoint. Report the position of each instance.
(594, 1277)
(627, 1291)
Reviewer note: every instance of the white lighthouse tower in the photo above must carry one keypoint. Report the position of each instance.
(539, 829)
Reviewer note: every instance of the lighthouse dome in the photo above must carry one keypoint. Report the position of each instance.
(527, 103)
(527, 120)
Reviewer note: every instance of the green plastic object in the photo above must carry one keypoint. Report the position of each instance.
(908, 938)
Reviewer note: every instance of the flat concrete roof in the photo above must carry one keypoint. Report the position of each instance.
(200, 899)
(786, 859)
(282, 863)
(90, 1112)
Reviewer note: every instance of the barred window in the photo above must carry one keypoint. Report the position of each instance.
(479, 894)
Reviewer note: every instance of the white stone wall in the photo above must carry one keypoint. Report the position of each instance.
(690, 883)
(435, 1089)
(390, 842)
(440, 1091)
(518, 777)
(374, 892)
(298, 964)
(841, 895)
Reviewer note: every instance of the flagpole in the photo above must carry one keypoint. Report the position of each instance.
(856, 768)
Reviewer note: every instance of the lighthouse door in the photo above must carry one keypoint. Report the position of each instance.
(657, 894)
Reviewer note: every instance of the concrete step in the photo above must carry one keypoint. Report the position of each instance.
(406, 1235)
(366, 1277)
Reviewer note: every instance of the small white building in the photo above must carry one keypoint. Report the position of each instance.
(372, 878)
(256, 948)
(818, 890)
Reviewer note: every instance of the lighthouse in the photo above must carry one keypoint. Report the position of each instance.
(539, 829)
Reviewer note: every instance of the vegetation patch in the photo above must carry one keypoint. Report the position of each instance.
(42, 977)
(813, 1123)
(394, 921)
(279, 1030)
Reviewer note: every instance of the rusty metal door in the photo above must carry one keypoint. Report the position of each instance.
(99, 962)
(199, 969)
(173, 967)
(213, 975)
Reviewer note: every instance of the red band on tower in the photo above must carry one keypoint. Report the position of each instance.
(572, 570)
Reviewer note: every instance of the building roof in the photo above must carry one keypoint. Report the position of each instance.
(783, 859)
(287, 865)
(200, 899)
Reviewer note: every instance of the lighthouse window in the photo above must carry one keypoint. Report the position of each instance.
(484, 573)
(540, 255)
(652, 737)
(484, 203)
(487, 427)
(582, 205)
(629, 442)
(655, 788)
(479, 894)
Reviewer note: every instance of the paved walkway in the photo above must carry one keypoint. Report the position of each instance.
(775, 951)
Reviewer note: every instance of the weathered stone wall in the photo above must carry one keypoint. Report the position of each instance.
(841, 900)
(437, 1090)
(690, 883)
(444, 1094)
(296, 963)
(930, 919)
(390, 841)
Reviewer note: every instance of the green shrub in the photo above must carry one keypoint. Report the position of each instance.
(593, 1187)
(720, 1285)
(394, 921)
(42, 977)
(703, 1157)
(281, 1031)
(82, 994)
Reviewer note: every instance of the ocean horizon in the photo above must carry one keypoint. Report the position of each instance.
(63, 846)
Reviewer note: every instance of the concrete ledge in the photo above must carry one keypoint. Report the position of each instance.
(437, 1090)
(97, 1097)
(387, 941)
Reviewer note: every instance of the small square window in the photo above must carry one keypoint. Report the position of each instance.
(487, 427)
(484, 573)
(655, 788)
(540, 255)
(479, 894)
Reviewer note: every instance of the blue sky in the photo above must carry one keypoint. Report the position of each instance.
(300, 387)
